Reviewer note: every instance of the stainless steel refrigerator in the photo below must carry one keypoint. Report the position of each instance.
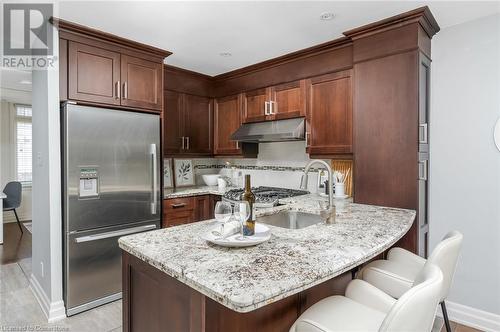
(111, 188)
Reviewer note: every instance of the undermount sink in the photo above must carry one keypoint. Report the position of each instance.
(291, 219)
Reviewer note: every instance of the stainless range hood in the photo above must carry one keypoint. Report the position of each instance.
(271, 131)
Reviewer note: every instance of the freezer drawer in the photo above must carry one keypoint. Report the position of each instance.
(93, 266)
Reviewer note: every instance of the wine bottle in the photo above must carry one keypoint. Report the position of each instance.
(248, 195)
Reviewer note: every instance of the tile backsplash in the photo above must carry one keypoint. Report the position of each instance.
(278, 165)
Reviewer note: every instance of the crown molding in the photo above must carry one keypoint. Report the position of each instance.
(421, 15)
(179, 70)
(304, 53)
(79, 29)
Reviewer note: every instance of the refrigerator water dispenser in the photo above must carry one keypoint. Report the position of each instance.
(89, 182)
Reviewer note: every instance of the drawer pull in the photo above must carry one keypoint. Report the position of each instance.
(422, 171)
(178, 205)
(423, 135)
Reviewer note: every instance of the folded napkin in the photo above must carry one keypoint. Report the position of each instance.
(229, 228)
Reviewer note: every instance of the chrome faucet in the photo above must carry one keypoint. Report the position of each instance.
(303, 181)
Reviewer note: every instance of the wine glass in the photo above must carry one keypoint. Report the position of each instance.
(242, 213)
(222, 212)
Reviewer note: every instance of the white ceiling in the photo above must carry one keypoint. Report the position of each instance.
(11, 88)
(252, 31)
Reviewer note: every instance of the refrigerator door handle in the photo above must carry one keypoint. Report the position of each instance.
(106, 235)
(154, 177)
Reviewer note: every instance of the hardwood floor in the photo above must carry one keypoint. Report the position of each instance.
(16, 246)
(455, 327)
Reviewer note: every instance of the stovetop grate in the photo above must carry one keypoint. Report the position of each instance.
(265, 195)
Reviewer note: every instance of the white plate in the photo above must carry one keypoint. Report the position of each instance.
(262, 234)
(340, 197)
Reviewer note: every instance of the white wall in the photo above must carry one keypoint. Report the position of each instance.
(465, 165)
(46, 280)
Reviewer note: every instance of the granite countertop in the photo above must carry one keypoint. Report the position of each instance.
(291, 261)
(193, 191)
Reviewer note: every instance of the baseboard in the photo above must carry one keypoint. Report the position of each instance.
(9, 217)
(465, 315)
(54, 311)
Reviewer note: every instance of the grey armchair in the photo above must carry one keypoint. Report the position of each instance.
(13, 190)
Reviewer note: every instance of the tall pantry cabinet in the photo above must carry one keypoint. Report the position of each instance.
(391, 63)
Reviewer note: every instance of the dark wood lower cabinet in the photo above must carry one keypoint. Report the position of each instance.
(202, 204)
(178, 211)
(213, 200)
(185, 210)
(154, 301)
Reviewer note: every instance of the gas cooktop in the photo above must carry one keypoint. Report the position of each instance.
(264, 196)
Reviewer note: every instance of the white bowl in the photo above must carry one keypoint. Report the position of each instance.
(210, 179)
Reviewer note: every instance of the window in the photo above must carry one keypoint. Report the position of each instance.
(23, 144)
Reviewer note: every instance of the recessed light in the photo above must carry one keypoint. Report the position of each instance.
(25, 82)
(225, 54)
(327, 16)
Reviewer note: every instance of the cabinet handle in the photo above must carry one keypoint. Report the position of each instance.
(422, 175)
(178, 205)
(307, 138)
(237, 144)
(266, 108)
(187, 143)
(182, 142)
(125, 93)
(423, 138)
(117, 90)
(273, 106)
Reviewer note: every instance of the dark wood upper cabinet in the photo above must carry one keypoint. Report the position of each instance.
(288, 100)
(256, 105)
(172, 123)
(198, 124)
(93, 74)
(227, 119)
(329, 114)
(102, 69)
(63, 69)
(142, 83)
(278, 102)
(188, 124)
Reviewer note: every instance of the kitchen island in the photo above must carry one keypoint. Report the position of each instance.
(175, 281)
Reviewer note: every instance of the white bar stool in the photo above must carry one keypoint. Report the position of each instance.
(396, 275)
(366, 308)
